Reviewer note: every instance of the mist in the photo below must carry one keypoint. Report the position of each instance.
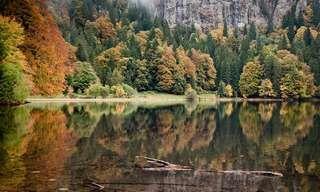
(150, 4)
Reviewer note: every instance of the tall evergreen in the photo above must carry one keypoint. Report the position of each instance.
(316, 12)
(315, 58)
(225, 28)
(307, 37)
(252, 32)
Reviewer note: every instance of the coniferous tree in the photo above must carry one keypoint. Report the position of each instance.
(225, 28)
(307, 37)
(315, 58)
(291, 33)
(252, 32)
(283, 44)
(300, 20)
(315, 12)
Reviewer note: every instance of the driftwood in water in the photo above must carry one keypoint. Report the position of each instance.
(151, 164)
(262, 173)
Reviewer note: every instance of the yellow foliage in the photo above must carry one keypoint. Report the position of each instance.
(186, 62)
(228, 91)
(217, 34)
(300, 33)
(142, 37)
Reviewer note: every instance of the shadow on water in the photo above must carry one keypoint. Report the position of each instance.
(84, 147)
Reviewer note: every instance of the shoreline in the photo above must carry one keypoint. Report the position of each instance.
(158, 98)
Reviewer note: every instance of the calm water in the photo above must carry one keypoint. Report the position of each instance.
(60, 147)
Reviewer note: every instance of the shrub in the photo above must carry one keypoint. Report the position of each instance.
(228, 91)
(191, 94)
(130, 91)
(118, 91)
(97, 90)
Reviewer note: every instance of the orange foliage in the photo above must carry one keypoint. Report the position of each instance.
(105, 27)
(49, 57)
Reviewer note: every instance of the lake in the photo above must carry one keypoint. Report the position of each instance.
(87, 146)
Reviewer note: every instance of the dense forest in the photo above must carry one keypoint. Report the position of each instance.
(102, 48)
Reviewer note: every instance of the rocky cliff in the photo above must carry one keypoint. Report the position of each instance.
(212, 13)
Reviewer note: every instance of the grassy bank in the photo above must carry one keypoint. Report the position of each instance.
(148, 97)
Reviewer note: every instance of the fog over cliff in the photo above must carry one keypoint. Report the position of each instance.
(147, 3)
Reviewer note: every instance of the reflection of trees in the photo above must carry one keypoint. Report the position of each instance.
(13, 123)
(250, 121)
(49, 147)
(266, 111)
(254, 136)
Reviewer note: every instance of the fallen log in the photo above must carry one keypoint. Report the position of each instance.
(151, 164)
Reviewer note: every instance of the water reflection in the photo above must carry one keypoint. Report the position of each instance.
(47, 147)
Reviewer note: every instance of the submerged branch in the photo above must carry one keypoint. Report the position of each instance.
(151, 164)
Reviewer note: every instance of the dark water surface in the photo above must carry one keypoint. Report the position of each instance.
(80, 147)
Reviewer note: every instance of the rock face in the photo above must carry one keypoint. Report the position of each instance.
(212, 13)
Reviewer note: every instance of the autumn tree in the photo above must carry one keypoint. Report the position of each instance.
(228, 91)
(189, 67)
(109, 65)
(206, 72)
(250, 79)
(297, 80)
(49, 57)
(266, 89)
(13, 85)
(165, 71)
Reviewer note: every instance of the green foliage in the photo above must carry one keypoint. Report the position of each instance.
(129, 46)
(252, 32)
(225, 28)
(221, 87)
(315, 58)
(250, 79)
(82, 78)
(316, 12)
(130, 91)
(283, 44)
(307, 37)
(98, 90)
(141, 80)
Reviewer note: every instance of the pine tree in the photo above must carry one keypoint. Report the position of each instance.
(291, 33)
(252, 32)
(225, 28)
(307, 37)
(283, 44)
(300, 20)
(316, 12)
(315, 58)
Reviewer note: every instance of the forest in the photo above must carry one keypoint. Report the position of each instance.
(113, 48)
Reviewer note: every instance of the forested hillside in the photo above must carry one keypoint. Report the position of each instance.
(119, 47)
